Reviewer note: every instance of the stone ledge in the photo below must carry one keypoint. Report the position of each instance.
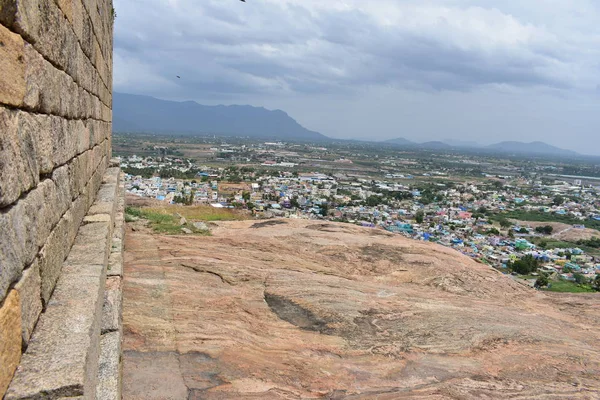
(112, 308)
(63, 357)
(109, 371)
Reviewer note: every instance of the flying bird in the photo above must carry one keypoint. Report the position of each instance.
(243, 1)
(178, 77)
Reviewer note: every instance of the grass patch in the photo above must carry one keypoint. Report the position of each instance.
(528, 277)
(563, 286)
(559, 244)
(161, 221)
(201, 213)
(535, 216)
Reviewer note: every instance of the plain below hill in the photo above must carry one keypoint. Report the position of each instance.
(134, 113)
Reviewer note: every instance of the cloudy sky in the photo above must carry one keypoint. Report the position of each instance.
(485, 71)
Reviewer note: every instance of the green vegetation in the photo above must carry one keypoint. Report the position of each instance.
(563, 286)
(593, 242)
(525, 265)
(161, 222)
(546, 230)
(200, 213)
(535, 216)
(419, 217)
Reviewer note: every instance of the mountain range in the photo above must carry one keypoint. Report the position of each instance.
(134, 113)
(510, 147)
(144, 114)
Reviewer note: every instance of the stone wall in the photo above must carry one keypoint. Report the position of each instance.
(55, 146)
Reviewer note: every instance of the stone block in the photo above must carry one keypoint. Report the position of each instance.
(36, 129)
(117, 244)
(53, 255)
(109, 370)
(29, 289)
(60, 177)
(11, 253)
(64, 144)
(42, 23)
(111, 310)
(78, 209)
(62, 357)
(91, 245)
(90, 219)
(16, 174)
(79, 173)
(115, 264)
(10, 339)
(102, 208)
(12, 65)
(27, 221)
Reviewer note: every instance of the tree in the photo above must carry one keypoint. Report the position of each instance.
(525, 265)
(579, 278)
(324, 209)
(294, 202)
(419, 217)
(542, 281)
(596, 283)
(546, 230)
(246, 196)
(504, 223)
(523, 230)
(558, 201)
(493, 231)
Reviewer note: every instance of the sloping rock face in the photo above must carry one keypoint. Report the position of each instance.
(308, 310)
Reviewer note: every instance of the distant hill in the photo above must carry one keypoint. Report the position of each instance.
(461, 143)
(401, 142)
(540, 148)
(133, 113)
(435, 145)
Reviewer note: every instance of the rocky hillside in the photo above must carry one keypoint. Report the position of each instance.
(289, 309)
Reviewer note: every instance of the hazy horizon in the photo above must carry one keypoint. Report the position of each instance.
(423, 70)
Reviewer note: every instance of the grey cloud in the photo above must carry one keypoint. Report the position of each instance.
(306, 54)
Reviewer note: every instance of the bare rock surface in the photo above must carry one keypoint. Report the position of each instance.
(310, 310)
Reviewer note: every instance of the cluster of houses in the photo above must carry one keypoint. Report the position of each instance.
(454, 215)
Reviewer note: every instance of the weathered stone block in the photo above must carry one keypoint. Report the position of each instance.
(109, 371)
(10, 339)
(115, 264)
(42, 24)
(48, 89)
(37, 128)
(102, 208)
(78, 210)
(91, 245)
(79, 173)
(53, 254)
(29, 289)
(26, 222)
(12, 65)
(60, 177)
(63, 140)
(62, 357)
(90, 219)
(16, 174)
(11, 253)
(111, 310)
